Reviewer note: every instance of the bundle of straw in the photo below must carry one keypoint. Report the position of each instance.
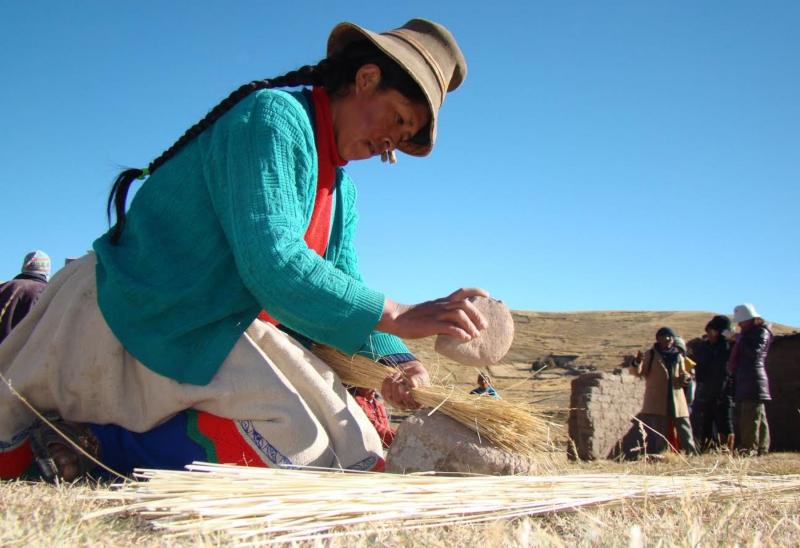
(268, 505)
(505, 424)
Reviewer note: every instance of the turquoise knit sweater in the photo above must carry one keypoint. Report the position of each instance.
(216, 234)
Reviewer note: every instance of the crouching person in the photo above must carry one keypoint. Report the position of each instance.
(149, 346)
(664, 407)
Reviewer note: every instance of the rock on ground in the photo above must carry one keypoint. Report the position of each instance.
(440, 444)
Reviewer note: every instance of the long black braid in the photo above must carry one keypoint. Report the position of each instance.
(334, 74)
(305, 76)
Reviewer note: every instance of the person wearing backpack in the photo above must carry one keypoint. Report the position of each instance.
(664, 406)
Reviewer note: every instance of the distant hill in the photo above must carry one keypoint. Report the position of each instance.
(598, 339)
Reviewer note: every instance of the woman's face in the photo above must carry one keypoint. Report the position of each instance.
(368, 120)
(665, 342)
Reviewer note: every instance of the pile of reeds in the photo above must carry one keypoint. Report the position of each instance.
(511, 426)
(264, 505)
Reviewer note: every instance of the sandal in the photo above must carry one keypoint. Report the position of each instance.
(58, 459)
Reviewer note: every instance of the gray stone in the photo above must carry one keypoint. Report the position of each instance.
(492, 344)
(440, 444)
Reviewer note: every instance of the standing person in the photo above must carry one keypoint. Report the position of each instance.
(485, 387)
(370, 402)
(17, 296)
(153, 336)
(712, 410)
(689, 364)
(748, 367)
(664, 405)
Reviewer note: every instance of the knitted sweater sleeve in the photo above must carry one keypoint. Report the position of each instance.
(378, 344)
(261, 176)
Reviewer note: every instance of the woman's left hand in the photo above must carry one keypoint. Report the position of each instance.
(396, 389)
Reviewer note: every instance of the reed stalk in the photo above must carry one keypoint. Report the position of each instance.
(269, 505)
(509, 425)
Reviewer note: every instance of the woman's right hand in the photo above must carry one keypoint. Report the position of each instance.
(453, 315)
(635, 362)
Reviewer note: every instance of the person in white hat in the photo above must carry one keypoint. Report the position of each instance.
(748, 367)
(250, 212)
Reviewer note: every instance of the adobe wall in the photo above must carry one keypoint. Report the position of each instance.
(783, 413)
(602, 406)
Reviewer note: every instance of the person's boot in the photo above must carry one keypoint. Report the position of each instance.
(67, 451)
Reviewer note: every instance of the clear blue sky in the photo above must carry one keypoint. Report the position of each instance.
(600, 155)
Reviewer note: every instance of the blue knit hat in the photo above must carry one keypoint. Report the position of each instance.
(36, 262)
(666, 331)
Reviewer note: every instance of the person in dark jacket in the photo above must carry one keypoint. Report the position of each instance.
(747, 365)
(712, 409)
(18, 296)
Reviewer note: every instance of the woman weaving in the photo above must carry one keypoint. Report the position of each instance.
(151, 342)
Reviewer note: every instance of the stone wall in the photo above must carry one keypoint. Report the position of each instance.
(602, 406)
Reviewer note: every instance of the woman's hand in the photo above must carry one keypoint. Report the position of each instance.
(682, 380)
(635, 364)
(396, 389)
(453, 315)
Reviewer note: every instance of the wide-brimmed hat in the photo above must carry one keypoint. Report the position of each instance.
(745, 312)
(429, 54)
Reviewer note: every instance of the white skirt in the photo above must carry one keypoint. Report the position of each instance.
(63, 357)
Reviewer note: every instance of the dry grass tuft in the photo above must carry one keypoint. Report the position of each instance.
(266, 505)
(39, 514)
(508, 425)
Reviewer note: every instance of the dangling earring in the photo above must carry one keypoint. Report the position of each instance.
(388, 156)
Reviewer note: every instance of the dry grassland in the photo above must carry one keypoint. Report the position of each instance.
(599, 339)
(37, 515)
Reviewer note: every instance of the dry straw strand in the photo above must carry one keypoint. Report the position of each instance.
(44, 419)
(8, 303)
(265, 505)
(67, 440)
(508, 425)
